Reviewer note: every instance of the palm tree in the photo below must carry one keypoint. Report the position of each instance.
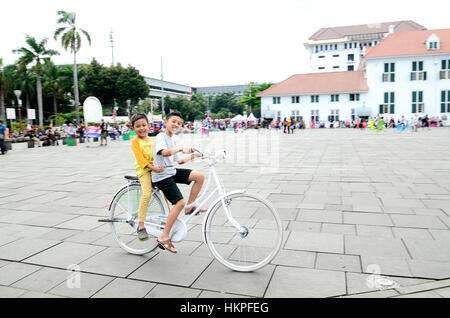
(71, 39)
(35, 53)
(52, 82)
(27, 83)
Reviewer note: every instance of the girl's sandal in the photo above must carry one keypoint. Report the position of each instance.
(166, 245)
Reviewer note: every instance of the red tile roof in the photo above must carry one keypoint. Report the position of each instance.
(319, 83)
(409, 43)
(340, 32)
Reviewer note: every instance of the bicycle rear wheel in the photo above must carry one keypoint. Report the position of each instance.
(252, 246)
(124, 219)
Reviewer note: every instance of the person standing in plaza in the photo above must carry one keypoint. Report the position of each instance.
(2, 138)
(103, 133)
(71, 131)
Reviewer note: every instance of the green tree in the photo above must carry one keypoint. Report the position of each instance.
(35, 52)
(52, 83)
(131, 85)
(26, 81)
(250, 100)
(71, 39)
(226, 102)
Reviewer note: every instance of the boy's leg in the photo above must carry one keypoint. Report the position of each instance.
(198, 178)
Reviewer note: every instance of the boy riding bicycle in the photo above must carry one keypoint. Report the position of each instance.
(165, 153)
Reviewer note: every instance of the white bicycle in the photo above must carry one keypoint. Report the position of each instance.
(242, 230)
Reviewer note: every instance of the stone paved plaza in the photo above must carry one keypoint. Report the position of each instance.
(354, 205)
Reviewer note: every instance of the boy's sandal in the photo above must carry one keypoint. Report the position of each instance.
(192, 209)
(166, 245)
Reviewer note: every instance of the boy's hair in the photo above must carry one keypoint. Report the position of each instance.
(138, 116)
(174, 114)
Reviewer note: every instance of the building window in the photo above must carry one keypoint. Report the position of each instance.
(321, 47)
(335, 46)
(433, 45)
(417, 73)
(315, 115)
(389, 103)
(321, 56)
(335, 66)
(353, 113)
(321, 68)
(277, 100)
(295, 99)
(345, 46)
(351, 57)
(354, 97)
(445, 101)
(314, 98)
(350, 68)
(445, 70)
(334, 98)
(317, 48)
(279, 116)
(336, 55)
(389, 72)
(334, 115)
(417, 102)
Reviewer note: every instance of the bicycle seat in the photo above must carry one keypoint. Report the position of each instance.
(135, 178)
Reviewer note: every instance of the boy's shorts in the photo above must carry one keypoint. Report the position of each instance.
(169, 186)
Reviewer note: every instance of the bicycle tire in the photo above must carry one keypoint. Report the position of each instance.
(124, 231)
(261, 240)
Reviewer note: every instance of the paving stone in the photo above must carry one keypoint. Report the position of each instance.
(65, 254)
(219, 278)
(163, 291)
(295, 258)
(443, 292)
(304, 226)
(367, 219)
(338, 262)
(125, 288)
(379, 294)
(210, 294)
(375, 246)
(21, 249)
(319, 216)
(385, 265)
(82, 223)
(358, 283)
(440, 234)
(429, 269)
(86, 237)
(114, 261)
(89, 285)
(427, 294)
(321, 283)
(418, 221)
(9, 292)
(42, 280)
(315, 242)
(420, 234)
(428, 250)
(378, 231)
(13, 272)
(178, 269)
(338, 228)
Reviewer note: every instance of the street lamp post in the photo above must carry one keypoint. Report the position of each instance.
(128, 108)
(18, 92)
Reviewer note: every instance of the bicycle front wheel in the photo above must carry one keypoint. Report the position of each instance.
(124, 219)
(255, 243)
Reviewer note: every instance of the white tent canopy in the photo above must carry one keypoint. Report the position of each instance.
(252, 117)
(238, 118)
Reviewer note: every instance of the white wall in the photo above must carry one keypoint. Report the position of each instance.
(403, 86)
(324, 106)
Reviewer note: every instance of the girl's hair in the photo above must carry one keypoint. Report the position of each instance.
(138, 116)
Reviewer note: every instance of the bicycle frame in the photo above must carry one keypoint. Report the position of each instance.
(219, 190)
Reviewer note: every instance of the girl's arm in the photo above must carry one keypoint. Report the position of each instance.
(142, 162)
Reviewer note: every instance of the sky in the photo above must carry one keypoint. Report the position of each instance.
(203, 42)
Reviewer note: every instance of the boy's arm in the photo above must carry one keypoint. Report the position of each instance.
(170, 151)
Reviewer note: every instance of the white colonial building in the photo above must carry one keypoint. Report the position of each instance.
(338, 49)
(407, 73)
